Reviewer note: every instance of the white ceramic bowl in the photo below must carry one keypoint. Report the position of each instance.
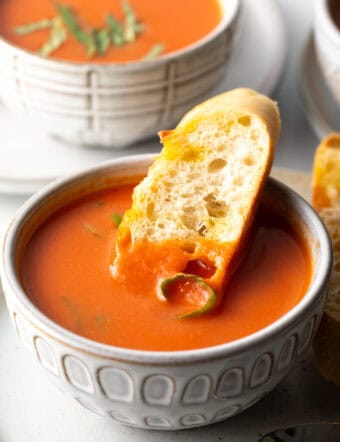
(163, 390)
(115, 105)
(327, 43)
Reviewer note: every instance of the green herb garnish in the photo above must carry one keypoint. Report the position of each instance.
(117, 218)
(115, 30)
(210, 300)
(154, 52)
(57, 37)
(95, 41)
(93, 230)
(102, 40)
(33, 27)
(100, 319)
(130, 29)
(73, 310)
(76, 30)
(100, 202)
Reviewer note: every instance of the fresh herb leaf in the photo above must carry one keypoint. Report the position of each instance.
(132, 27)
(91, 49)
(116, 30)
(187, 279)
(130, 22)
(56, 38)
(140, 27)
(92, 230)
(117, 218)
(154, 52)
(76, 30)
(100, 319)
(100, 202)
(73, 310)
(32, 27)
(102, 40)
(95, 41)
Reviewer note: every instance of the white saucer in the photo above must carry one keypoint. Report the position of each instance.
(30, 159)
(322, 111)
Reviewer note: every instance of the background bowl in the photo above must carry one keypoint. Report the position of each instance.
(115, 105)
(164, 390)
(327, 43)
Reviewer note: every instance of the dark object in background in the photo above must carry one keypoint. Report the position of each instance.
(334, 6)
(321, 432)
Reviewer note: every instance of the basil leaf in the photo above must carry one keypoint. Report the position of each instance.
(116, 30)
(56, 38)
(100, 319)
(130, 22)
(154, 52)
(139, 27)
(102, 40)
(116, 218)
(94, 41)
(32, 27)
(76, 30)
(69, 305)
(132, 27)
(211, 297)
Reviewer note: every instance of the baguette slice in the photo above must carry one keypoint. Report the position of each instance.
(326, 199)
(326, 173)
(196, 204)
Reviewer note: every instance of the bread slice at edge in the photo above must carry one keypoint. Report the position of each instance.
(326, 200)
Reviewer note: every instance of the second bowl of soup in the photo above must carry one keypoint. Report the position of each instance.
(83, 72)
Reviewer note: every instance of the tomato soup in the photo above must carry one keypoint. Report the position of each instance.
(66, 273)
(173, 24)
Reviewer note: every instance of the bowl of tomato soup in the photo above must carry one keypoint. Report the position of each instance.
(82, 71)
(126, 354)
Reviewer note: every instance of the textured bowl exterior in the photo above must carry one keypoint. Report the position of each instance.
(115, 105)
(327, 43)
(164, 390)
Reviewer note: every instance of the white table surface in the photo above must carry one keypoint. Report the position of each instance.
(32, 410)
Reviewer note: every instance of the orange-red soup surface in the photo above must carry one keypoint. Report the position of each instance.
(173, 23)
(65, 272)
